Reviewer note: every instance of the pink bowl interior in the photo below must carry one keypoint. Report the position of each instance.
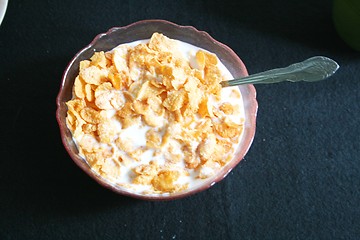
(143, 30)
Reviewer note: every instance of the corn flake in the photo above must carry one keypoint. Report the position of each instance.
(207, 147)
(145, 173)
(79, 87)
(90, 115)
(174, 100)
(99, 59)
(89, 93)
(93, 75)
(228, 129)
(165, 180)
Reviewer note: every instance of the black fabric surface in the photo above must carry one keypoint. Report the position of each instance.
(299, 180)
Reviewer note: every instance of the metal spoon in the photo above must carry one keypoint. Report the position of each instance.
(311, 70)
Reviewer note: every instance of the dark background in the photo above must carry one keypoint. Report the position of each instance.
(300, 179)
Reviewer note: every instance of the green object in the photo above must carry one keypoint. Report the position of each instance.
(346, 16)
(310, 70)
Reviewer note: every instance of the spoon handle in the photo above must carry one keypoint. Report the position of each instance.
(311, 70)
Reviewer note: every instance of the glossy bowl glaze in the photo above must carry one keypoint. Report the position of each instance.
(3, 6)
(144, 30)
(346, 17)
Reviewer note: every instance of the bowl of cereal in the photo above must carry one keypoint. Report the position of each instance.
(142, 112)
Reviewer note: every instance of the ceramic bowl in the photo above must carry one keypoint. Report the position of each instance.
(346, 17)
(143, 30)
(3, 6)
